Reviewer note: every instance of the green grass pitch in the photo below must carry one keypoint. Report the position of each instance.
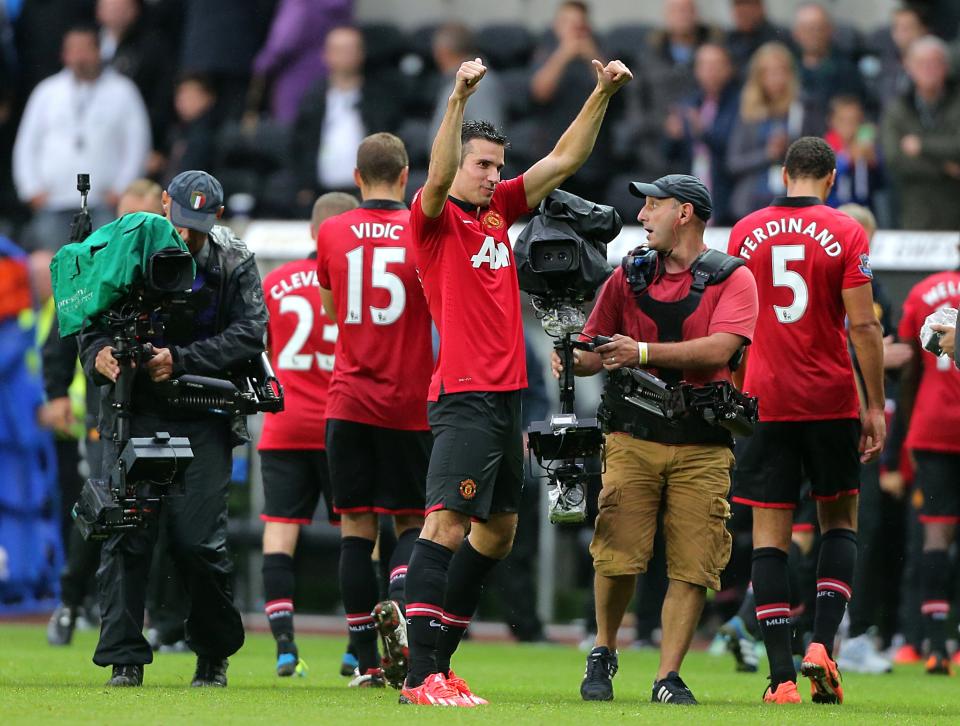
(525, 684)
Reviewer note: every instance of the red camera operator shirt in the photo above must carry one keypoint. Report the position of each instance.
(301, 340)
(936, 411)
(803, 255)
(384, 350)
(727, 307)
(469, 276)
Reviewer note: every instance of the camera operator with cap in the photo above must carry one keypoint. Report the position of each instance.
(685, 312)
(220, 324)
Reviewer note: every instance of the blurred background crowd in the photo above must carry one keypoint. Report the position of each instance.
(273, 97)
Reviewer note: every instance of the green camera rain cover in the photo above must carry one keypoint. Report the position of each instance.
(91, 276)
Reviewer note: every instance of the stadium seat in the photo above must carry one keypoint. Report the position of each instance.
(385, 44)
(413, 132)
(505, 46)
(516, 92)
(626, 42)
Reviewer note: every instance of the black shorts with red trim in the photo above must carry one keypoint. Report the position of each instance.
(938, 479)
(293, 480)
(778, 457)
(477, 463)
(376, 469)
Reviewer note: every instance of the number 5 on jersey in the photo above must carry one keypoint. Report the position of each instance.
(780, 255)
(379, 278)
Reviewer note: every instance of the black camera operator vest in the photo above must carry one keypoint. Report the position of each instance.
(642, 268)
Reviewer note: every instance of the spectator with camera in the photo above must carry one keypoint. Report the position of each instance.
(217, 326)
(659, 320)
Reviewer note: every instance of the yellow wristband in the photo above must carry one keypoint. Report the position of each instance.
(644, 353)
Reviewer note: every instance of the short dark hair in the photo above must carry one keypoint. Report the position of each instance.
(575, 5)
(842, 100)
(809, 157)
(200, 79)
(85, 28)
(478, 129)
(381, 158)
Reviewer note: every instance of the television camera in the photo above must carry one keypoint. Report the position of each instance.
(561, 263)
(148, 468)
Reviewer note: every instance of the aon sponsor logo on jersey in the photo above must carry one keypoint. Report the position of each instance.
(492, 253)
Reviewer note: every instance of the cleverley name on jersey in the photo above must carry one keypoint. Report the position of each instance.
(794, 225)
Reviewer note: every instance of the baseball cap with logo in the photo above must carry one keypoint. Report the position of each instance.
(195, 199)
(682, 187)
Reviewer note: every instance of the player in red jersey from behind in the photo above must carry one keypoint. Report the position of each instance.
(812, 268)
(459, 223)
(930, 400)
(378, 439)
(293, 460)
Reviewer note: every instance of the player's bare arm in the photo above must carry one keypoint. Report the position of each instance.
(445, 154)
(866, 334)
(576, 143)
(329, 306)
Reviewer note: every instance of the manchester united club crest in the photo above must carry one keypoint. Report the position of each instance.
(492, 220)
(468, 489)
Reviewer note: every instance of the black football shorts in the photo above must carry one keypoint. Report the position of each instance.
(293, 480)
(477, 463)
(938, 479)
(774, 461)
(376, 469)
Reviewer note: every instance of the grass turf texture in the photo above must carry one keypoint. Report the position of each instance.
(525, 684)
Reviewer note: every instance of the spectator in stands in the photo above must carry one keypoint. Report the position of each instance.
(772, 116)
(665, 78)
(562, 75)
(921, 140)
(39, 28)
(137, 51)
(337, 114)
(83, 119)
(220, 40)
(751, 29)
(292, 60)
(854, 141)
(907, 25)
(192, 139)
(824, 71)
(698, 129)
(453, 44)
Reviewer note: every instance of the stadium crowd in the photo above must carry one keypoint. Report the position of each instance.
(276, 109)
(137, 90)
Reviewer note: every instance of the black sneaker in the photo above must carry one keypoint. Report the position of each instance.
(597, 682)
(672, 690)
(126, 676)
(61, 625)
(210, 672)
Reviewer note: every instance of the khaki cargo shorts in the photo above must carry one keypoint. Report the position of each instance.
(691, 481)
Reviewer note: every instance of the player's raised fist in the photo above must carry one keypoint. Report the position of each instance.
(613, 76)
(468, 77)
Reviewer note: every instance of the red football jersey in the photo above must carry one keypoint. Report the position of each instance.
(470, 279)
(729, 307)
(384, 351)
(936, 410)
(301, 340)
(803, 254)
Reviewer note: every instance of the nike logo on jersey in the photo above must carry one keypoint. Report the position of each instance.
(492, 253)
(466, 221)
(437, 624)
